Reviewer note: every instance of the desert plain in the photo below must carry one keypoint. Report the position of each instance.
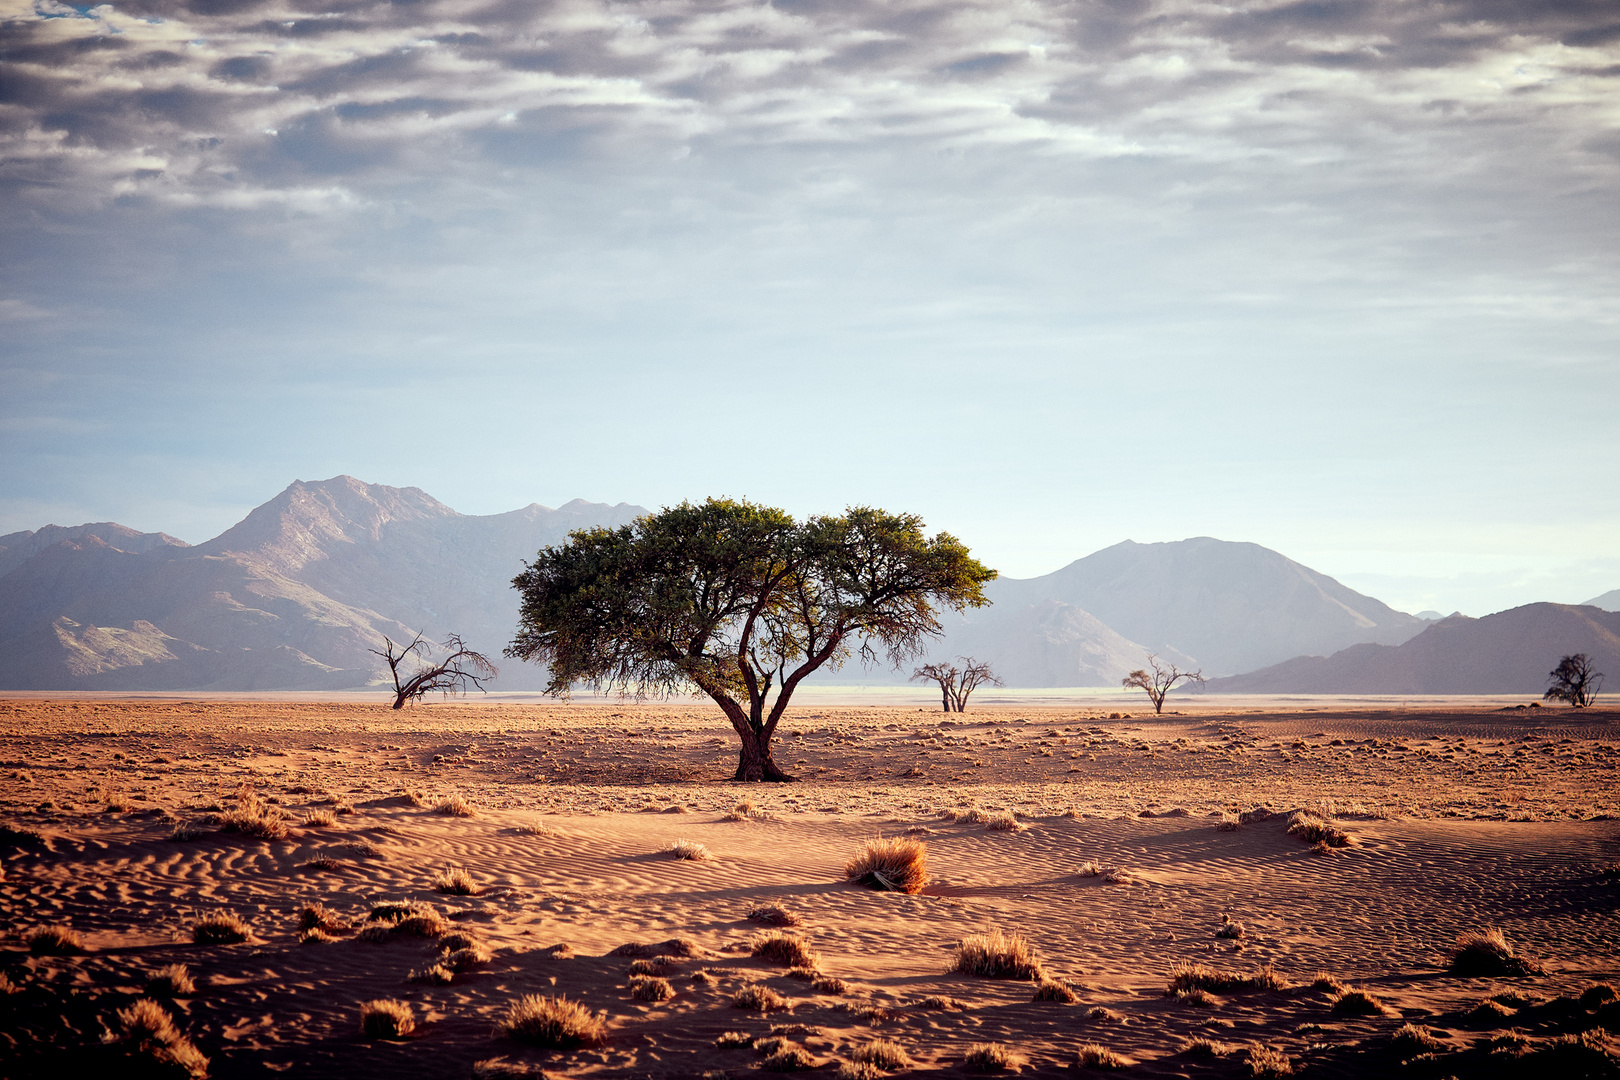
(1180, 918)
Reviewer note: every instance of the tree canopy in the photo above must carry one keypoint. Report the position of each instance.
(735, 600)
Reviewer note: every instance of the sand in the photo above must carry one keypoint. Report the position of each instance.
(1458, 819)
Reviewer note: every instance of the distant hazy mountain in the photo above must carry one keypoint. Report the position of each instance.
(1609, 601)
(1510, 652)
(291, 597)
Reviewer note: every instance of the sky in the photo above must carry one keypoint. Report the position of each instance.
(1339, 278)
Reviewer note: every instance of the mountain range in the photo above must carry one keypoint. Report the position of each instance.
(297, 594)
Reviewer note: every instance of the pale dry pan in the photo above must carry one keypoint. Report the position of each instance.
(588, 950)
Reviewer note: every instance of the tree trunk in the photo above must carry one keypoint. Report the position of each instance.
(754, 762)
(945, 694)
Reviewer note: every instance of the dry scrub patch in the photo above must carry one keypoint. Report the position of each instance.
(55, 941)
(386, 1018)
(1188, 977)
(146, 1033)
(1095, 1056)
(893, 865)
(455, 806)
(995, 955)
(455, 881)
(552, 1022)
(689, 850)
(773, 914)
(884, 1054)
(1487, 952)
(1051, 990)
(1314, 830)
(788, 950)
(171, 981)
(650, 988)
(1268, 1062)
(1360, 1003)
(990, 1057)
(220, 928)
(758, 998)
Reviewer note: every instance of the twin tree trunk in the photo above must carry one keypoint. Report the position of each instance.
(754, 761)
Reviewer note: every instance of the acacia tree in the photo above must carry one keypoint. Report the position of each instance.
(1574, 680)
(460, 669)
(956, 685)
(1159, 681)
(735, 600)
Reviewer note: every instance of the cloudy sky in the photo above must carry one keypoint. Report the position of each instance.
(1341, 278)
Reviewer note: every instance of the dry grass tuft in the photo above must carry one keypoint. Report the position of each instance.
(220, 928)
(1323, 983)
(1488, 1013)
(829, 984)
(1314, 830)
(397, 919)
(989, 1058)
(468, 957)
(187, 830)
(1411, 1039)
(316, 936)
(386, 1018)
(1268, 1062)
(758, 998)
(1186, 977)
(1089, 868)
(455, 806)
(252, 816)
(432, 975)
(1597, 994)
(1229, 929)
(1004, 822)
(995, 955)
(456, 881)
(501, 1069)
(55, 941)
(773, 914)
(1487, 952)
(553, 1022)
(734, 1040)
(146, 1030)
(171, 981)
(1052, 990)
(320, 819)
(858, 1070)
(885, 1054)
(320, 917)
(659, 966)
(894, 865)
(1360, 1003)
(1198, 999)
(1205, 1048)
(937, 1003)
(792, 1059)
(650, 988)
(1094, 1056)
(789, 950)
(690, 850)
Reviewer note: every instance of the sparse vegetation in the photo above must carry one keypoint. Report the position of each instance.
(432, 975)
(885, 1054)
(1487, 952)
(1095, 1056)
(1359, 1003)
(1314, 830)
(468, 957)
(773, 914)
(320, 819)
(220, 928)
(553, 1022)
(758, 998)
(995, 955)
(19, 836)
(1229, 929)
(171, 981)
(1488, 1013)
(829, 984)
(791, 1059)
(989, 1057)
(320, 917)
(386, 1018)
(147, 1031)
(1205, 1048)
(404, 919)
(1052, 990)
(1269, 1062)
(789, 950)
(253, 816)
(650, 988)
(1187, 977)
(1410, 1039)
(55, 941)
(690, 850)
(733, 1040)
(454, 805)
(893, 865)
(456, 881)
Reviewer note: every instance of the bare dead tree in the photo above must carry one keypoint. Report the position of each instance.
(1159, 682)
(453, 675)
(956, 684)
(1574, 680)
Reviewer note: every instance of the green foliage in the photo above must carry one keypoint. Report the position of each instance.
(735, 600)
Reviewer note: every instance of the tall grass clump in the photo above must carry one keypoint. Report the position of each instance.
(1188, 977)
(894, 865)
(789, 950)
(773, 915)
(220, 928)
(1096, 1056)
(171, 981)
(1487, 952)
(252, 816)
(146, 1031)
(455, 806)
(1314, 830)
(989, 1058)
(995, 955)
(757, 998)
(455, 881)
(689, 850)
(386, 1018)
(552, 1022)
(55, 941)
(884, 1054)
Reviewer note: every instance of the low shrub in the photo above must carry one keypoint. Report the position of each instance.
(320, 917)
(1359, 1003)
(1051, 990)
(1314, 830)
(689, 850)
(1090, 868)
(789, 950)
(1597, 994)
(1487, 952)
(829, 984)
(553, 1022)
(650, 988)
(892, 865)
(885, 1054)
(758, 998)
(386, 1018)
(733, 1040)
(171, 981)
(467, 958)
(989, 1058)
(252, 816)
(1268, 1063)
(1229, 929)
(792, 1059)
(147, 1031)
(773, 915)
(858, 1070)
(1004, 822)
(995, 955)
(1488, 1013)
(1205, 1048)
(455, 806)
(1193, 976)
(55, 941)
(456, 881)
(1095, 1056)
(1410, 1039)
(320, 819)
(220, 928)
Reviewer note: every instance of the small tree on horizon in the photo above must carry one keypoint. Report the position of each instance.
(735, 600)
(1574, 680)
(460, 669)
(1159, 682)
(956, 685)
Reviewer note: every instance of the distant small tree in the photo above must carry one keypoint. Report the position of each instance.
(453, 675)
(956, 685)
(1159, 681)
(1574, 681)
